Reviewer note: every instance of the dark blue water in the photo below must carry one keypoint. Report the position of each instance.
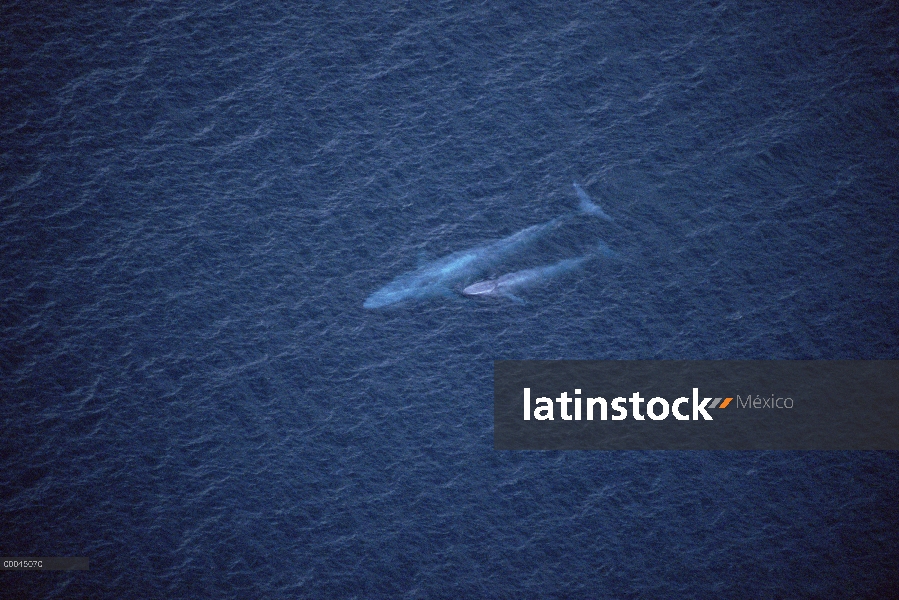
(195, 201)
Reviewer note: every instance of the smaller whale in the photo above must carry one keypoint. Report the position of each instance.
(507, 285)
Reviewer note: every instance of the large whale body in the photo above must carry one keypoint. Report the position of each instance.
(441, 276)
(509, 284)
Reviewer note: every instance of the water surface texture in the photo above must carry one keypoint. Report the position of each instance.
(196, 200)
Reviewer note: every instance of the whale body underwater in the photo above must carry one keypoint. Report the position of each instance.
(442, 276)
(509, 284)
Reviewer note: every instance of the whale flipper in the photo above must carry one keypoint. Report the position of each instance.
(588, 206)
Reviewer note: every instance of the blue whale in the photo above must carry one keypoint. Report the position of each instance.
(442, 276)
(509, 284)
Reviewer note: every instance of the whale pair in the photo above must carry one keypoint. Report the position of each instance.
(445, 275)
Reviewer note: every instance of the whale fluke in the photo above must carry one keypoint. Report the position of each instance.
(588, 206)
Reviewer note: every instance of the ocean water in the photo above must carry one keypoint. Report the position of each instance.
(196, 199)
